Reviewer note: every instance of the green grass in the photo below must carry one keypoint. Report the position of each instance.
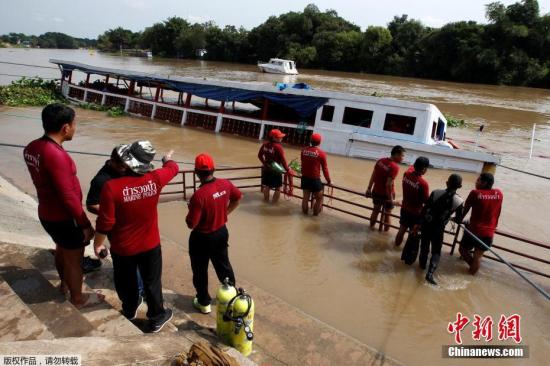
(30, 92)
(455, 122)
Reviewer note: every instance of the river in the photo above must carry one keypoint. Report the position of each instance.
(332, 266)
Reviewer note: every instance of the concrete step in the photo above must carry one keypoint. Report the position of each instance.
(104, 317)
(17, 321)
(145, 349)
(60, 317)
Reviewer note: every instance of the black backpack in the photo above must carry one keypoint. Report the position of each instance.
(439, 212)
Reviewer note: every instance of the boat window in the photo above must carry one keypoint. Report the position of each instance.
(357, 117)
(328, 113)
(434, 127)
(399, 124)
(440, 130)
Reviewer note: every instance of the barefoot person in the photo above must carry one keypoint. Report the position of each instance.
(60, 211)
(486, 204)
(415, 193)
(128, 215)
(313, 159)
(274, 164)
(381, 186)
(207, 216)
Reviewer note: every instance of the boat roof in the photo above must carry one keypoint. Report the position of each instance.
(279, 59)
(319, 96)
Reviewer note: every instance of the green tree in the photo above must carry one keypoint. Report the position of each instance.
(116, 39)
(375, 47)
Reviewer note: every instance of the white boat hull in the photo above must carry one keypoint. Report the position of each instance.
(376, 147)
(272, 70)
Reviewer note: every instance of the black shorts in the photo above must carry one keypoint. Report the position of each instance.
(312, 184)
(381, 199)
(271, 178)
(469, 242)
(67, 234)
(408, 219)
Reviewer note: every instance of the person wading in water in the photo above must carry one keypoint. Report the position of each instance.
(486, 204)
(274, 164)
(436, 213)
(313, 159)
(415, 193)
(381, 186)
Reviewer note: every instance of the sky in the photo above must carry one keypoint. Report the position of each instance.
(90, 18)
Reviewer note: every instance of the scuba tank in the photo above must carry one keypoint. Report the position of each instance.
(225, 293)
(240, 313)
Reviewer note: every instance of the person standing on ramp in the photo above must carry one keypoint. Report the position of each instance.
(208, 209)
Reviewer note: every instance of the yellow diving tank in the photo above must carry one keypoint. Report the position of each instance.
(241, 312)
(225, 293)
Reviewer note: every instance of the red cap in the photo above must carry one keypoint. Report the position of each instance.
(276, 134)
(315, 137)
(204, 162)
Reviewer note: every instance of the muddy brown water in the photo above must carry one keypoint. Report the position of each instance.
(332, 266)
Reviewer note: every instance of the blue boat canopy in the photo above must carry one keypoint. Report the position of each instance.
(304, 105)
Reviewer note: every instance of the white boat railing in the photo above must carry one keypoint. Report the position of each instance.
(192, 116)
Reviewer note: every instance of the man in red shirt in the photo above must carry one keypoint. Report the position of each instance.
(60, 211)
(415, 193)
(207, 216)
(128, 216)
(381, 186)
(313, 159)
(273, 160)
(486, 204)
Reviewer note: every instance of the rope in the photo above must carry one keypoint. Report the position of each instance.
(27, 76)
(539, 289)
(100, 154)
(29, 65)
(524, 172)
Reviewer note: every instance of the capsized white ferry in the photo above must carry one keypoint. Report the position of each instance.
(351, 125)
(278, 66)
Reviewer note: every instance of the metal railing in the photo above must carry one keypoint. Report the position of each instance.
(350, 201)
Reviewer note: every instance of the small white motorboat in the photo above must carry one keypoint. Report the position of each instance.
(278, 66)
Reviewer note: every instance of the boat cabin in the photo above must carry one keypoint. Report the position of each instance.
(352, 125)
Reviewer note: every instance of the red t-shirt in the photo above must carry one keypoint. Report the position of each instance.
(208, 205)
(383, 169)
(128, 210)
(486, 205)
(272, 152)
(53, 173)
(415, 192)
(313, 158)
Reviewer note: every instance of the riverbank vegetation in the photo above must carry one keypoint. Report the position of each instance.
(30, 92)
(46, 40)
(39, 92)
(513, 48)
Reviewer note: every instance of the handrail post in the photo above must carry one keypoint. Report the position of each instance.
(382, 217)
(455, 240)
(184, 187)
